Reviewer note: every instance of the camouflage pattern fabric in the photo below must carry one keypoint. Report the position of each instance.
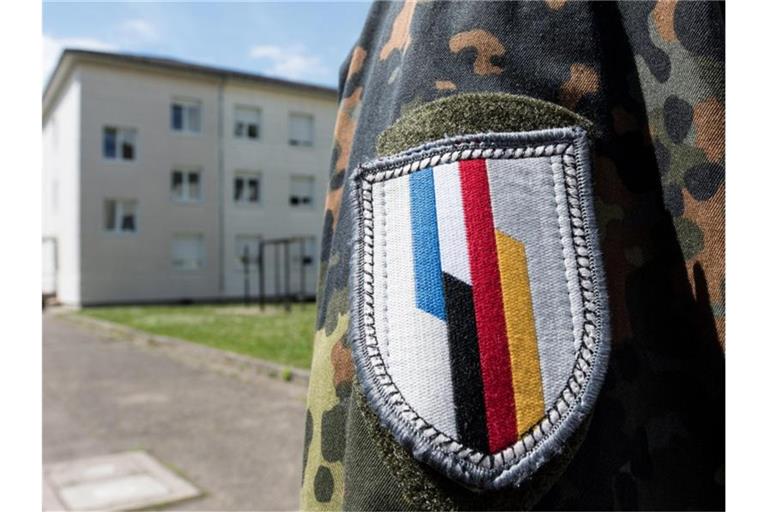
(650, 77)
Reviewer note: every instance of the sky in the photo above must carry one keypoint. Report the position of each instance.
(304, 41)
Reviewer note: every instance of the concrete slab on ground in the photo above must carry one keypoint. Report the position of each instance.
(121, 481)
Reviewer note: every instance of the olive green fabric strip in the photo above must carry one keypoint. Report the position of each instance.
(469, 113)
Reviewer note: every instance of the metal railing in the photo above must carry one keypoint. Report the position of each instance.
(281, 270)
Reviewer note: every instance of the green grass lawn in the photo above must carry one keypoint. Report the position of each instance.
(275, 335)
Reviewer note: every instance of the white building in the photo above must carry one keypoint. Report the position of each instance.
(157, 174)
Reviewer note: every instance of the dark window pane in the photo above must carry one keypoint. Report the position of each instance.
(253, 131)
(193, 180)
(128, 223)
(239, 185)
(176, 183)
(177, 117)
(127, 151)
(294, 200)
(110, 142)
(253, 190)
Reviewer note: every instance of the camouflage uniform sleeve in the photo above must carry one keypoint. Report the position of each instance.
(649, 76)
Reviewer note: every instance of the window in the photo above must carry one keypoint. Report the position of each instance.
(119, 143)
(186, 185)
(185, 116)
(301, 128)
(308, 257)
(247, 245)
(247, 122)
(187, 252)
(247, 188)
(302, 191)
(120, 215)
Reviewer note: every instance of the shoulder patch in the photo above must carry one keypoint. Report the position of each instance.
(480, 319)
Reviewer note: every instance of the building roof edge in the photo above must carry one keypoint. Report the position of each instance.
(180, 65)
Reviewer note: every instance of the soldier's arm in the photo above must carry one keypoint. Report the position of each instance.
(518, 190)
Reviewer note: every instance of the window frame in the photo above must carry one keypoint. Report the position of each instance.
(311, 242)
(241, 107)
(202, 256)
(119, 215)
(185, 197)
(186, 104)
(120, 133)
(298, 143)
(246, 175)
(300, 205)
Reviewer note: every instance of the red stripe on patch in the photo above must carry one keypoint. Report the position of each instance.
(489, 307)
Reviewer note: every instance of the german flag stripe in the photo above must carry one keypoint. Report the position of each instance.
(521, 331)
(466, 373)
(489, 307)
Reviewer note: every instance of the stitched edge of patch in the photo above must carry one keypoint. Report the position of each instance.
(548, 436)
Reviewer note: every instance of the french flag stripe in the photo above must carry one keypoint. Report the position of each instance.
(426, 245)
(403, 322)
(454, 257)
(488, 304)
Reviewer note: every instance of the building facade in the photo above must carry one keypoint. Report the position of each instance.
(160, 176)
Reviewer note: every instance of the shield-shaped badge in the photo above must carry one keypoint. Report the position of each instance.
(480, 315)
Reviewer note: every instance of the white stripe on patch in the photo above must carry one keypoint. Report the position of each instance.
(450, 222)
(416, 342)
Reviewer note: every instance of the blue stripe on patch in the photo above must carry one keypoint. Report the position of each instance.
(426, 245)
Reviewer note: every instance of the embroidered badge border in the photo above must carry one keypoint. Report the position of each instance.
(567, 148)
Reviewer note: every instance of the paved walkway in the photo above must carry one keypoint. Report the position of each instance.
(239, 440)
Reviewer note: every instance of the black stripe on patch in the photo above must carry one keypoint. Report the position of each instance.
(465, 364)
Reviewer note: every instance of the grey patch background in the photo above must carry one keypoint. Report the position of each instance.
(524, 207)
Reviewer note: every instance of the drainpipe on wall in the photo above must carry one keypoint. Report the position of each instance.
(222, 187)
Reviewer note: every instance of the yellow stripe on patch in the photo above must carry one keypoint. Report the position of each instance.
(521, 332)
